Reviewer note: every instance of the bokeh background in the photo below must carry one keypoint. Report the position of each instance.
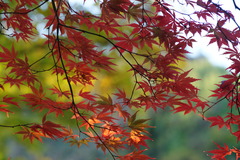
(176, 136)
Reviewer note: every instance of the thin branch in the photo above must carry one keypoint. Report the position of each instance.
(74, 108)
(17, 125)
(31, 10)
(235, 5)
(59, 50)
(229, 15)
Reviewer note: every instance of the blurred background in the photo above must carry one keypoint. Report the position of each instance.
(176, 136)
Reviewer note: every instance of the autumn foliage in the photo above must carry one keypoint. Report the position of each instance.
(133, 30)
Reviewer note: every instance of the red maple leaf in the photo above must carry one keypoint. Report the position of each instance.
(221, 152)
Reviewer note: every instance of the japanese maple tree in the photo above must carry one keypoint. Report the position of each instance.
(150, 36)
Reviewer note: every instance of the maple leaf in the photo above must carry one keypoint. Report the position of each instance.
(103, 62)
(182, 80)
(50, 129)
(111, 139)
(8, 56)
(235, 66)
(79, 143)
(138, 125)
(221, 152)
(135, 155)
(121, 94)
(134, 11)
(185, 107)
(115, 6)
(149, 102)
(3, 109)
(86, 95)
(221, 35)
(113, 144)
(122, 113)
(9, 100)
(53, 22)
(31, 134)
(105, 103)
(217, 120)
(237, 134)
(138, 139)
(126, 43)
(228, 84)
(90, 122)
(203, 14)
(4, 6)
(200, 103)
(108, 27)
(59, 92)
(13, 81)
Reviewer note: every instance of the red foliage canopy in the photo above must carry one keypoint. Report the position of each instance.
(132, 29)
